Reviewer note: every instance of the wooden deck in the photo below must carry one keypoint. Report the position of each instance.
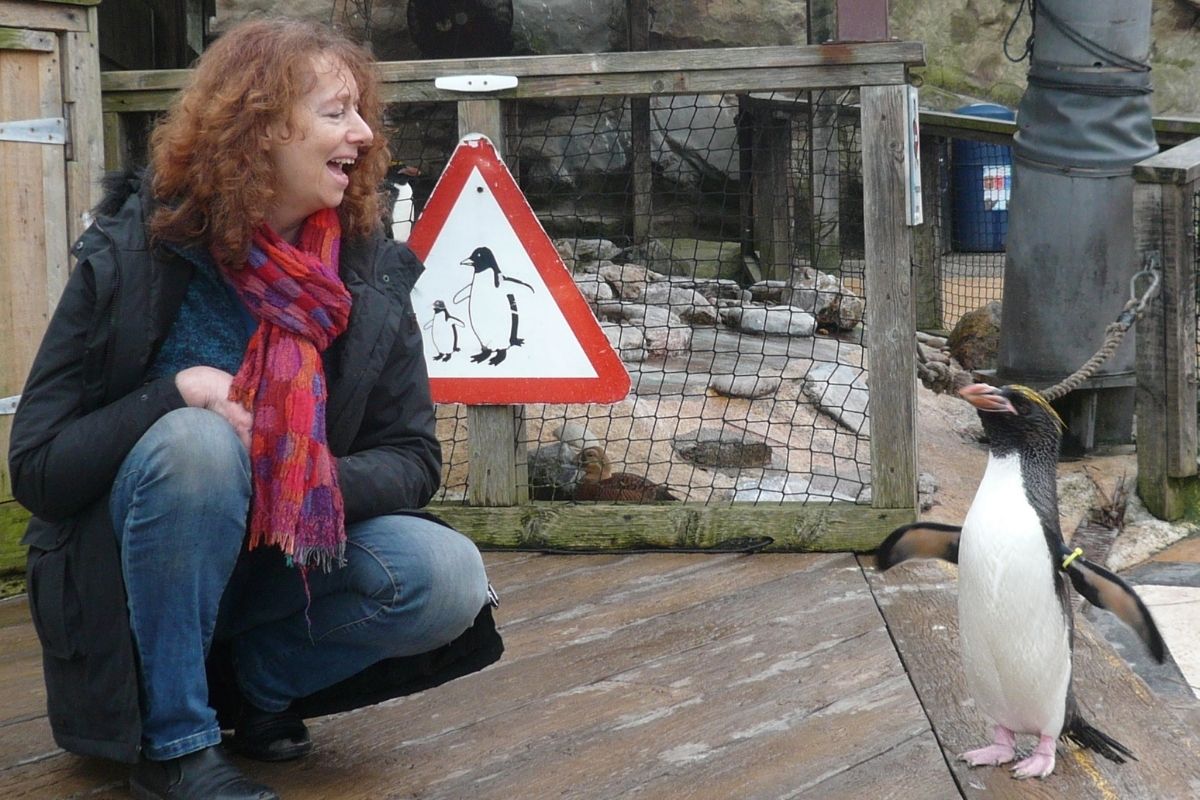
(672, 676)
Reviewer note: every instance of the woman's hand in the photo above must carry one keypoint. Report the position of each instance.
(208, 387)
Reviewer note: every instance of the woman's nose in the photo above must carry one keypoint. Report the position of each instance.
(360, 132)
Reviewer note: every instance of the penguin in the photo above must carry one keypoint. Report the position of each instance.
(1015, 619)
(443, 331)
(491, 307)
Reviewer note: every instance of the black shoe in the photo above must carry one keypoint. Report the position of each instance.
(203, 775)
(270, 735)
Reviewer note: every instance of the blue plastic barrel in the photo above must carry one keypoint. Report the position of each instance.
(981, 177)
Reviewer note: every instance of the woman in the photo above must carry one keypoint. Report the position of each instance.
(226, 421)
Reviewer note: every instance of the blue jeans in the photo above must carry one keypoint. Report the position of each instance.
(179, 506)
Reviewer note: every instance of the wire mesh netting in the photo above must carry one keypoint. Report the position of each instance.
(732, 291)
(969, 185)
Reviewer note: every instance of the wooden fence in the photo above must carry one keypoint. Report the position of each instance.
(1166, 209)
(497, 512)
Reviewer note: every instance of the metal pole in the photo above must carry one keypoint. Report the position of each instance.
(1084, 121)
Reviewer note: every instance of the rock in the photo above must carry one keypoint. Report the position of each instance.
(840, 392)
(772, 292)
(628, 341)
(779, 320)
(629, 280)
(835, 305)
(585, 253)
(749, 386)
(553, 472)
(732, 454)
(691, 306)
(593, 288)
(568, 26)
(684, 126)
(975, 340)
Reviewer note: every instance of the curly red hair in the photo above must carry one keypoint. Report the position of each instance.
(211, 176)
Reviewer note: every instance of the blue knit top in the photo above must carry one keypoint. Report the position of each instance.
(213, 326)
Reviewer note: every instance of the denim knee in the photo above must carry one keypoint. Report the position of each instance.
(190, 457)
(429, 579)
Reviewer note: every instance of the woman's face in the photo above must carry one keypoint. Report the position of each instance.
(310, 165)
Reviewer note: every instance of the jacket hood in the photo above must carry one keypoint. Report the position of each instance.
(118, 187)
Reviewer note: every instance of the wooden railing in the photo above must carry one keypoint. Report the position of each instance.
(497, 512)
(1165, 230)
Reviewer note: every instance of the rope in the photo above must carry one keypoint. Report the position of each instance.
(938, 372)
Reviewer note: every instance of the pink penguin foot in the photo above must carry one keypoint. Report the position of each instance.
(1000, 751)
(1040, 763)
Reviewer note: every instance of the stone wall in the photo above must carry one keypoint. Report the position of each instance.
(963, 38)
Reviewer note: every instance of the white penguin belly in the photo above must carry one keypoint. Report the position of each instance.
(1015, 638)
(491, 312)
(442, 333)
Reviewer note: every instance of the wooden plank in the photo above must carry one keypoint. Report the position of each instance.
(795, 527)
(773, 194)
(1151, 369)
(595, 65)
(634, 84)
(54, 262)
(81, 90)
(890, 312)
(723, 695)
(1179, 292)
(1179, 165)
(25, 39)
(496, 468)
(43, 16)
(918, 600)
(32, 226)
(927, 289)
(116, 141)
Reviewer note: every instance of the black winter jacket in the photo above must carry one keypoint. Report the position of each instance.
(87, 402)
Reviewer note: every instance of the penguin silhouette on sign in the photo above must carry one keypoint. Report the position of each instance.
(491, 307)
(443, 331)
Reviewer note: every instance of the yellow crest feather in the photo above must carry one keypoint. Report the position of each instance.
(1035, 396)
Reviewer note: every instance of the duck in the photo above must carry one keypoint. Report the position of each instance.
(599, 482)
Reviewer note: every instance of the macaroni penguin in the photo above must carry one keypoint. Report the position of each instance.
(1015, 620)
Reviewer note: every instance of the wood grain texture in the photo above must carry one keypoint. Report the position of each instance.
(595, 65)
(890, 312)
(566, 526)
(81, 90)
(32, 222)
(25, 39)
(496, 471)
(1178, 166)
(919, 601)
(38, 15)
(659, 676)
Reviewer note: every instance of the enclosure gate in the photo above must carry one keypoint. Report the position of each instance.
(50, 150)
(497, 510)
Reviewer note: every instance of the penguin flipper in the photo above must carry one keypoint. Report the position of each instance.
(1105, 590)
(919, 540)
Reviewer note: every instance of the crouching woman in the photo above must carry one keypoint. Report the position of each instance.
(227, 433)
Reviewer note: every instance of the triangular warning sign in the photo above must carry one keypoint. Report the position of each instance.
(503, 321)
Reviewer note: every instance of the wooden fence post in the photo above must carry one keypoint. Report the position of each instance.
(1164, 219)
(497, 473)
(891, 343)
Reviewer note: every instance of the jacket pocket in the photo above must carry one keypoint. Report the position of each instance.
(53, 602)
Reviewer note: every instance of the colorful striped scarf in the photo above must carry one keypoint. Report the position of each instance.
(301, 306)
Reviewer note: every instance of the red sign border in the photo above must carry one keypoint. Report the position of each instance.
(612, 382)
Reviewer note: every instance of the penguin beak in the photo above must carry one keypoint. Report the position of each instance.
(986, 398)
